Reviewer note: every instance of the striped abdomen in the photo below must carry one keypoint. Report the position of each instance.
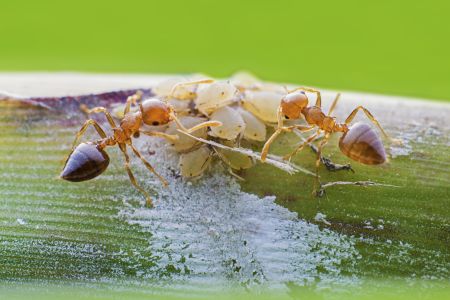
(362, 143)
(87, 161)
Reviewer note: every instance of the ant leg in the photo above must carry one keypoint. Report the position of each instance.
(149, 166)
(99, 109)
(319, 155)
(299, 148)
(280, 129)
(311, 90)
(174, 117)
(204, 124)
(131, 176)
(266, 147)
(82, 130)
(171, 138)
(333, 105)
(134, 99)
(85, 126)
(369, 115)
(331, 166)
(196, 127)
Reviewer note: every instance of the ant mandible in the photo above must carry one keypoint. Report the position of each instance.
(358, 142)
(88, 160)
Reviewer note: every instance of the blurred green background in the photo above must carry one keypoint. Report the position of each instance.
(394, 47)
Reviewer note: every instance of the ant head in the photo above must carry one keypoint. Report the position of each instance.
(155, 112)
(293, 103)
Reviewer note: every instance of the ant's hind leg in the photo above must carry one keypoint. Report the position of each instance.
(369, 115)
(83, 130)
(132, 178)
(85, 126)
(149, 166)
(333, 105)
(99, 109)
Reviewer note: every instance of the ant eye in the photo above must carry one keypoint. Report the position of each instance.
(155, 123)
(286, 117)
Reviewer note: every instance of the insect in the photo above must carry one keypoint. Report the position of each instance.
(216, 101)
(88, 160)
(358, 142)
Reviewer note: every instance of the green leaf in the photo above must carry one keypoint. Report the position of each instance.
(218, 232)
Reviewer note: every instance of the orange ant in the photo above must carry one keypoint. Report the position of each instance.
(88, 160)
(359, 142)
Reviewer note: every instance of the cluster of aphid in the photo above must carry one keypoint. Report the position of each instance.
(206, 117)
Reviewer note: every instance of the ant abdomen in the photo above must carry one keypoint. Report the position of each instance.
(362, 143)
(87, 161)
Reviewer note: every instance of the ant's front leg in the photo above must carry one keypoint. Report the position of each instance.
(180, 126)
(204, 124)
(171, 138)
(280, 128)
(266, 147)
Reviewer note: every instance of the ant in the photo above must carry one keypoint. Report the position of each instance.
(88, 160)
(358, 142)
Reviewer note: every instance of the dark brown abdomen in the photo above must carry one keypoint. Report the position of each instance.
(362, 143)
(87, 161)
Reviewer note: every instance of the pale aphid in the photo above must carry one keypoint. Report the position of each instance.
(164, 87)
(263, 104)
(272, 87)
(167, 88)
(184, 143)
(244, 80)
(273, 160)
(235, 160)
(232, 123)
(213, 96)
(255, 129)
(118, 111)
(194, 163)
(179, 106)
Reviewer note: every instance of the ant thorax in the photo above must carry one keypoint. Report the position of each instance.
(130, 124)
(314, 115)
